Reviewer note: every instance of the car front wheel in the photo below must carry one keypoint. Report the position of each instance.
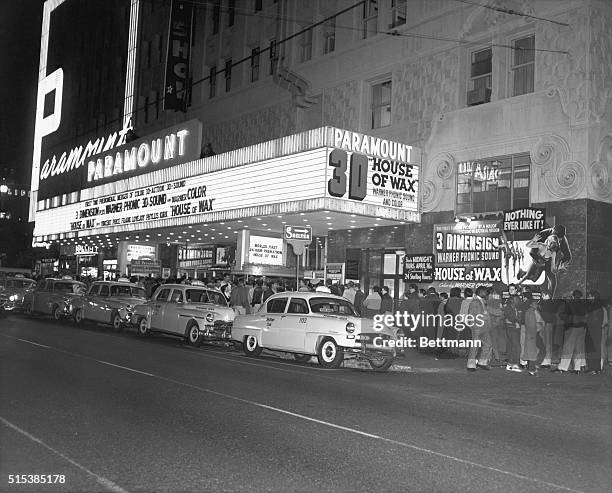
(116, 322)
(251, 347)
(57, 312)
(193, 335)
(383, 363)
(329, 354)
(78, 316)
(143, 328)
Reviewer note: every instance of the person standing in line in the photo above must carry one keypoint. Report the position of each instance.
(303, 287)
(573, 344)
(513, 335)
(239, 298)
(359, 297)
(481, 332)
(350, 292)
(371, 305)
(494, 304)
(533, 324)
(548, 312)
(269, 291)
(386, 302)
(256, 298)
(596, 324)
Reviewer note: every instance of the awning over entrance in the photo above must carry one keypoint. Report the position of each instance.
(327, 178)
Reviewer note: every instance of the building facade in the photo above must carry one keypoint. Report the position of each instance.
(506, 107)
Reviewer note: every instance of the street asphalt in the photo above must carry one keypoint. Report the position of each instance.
(114, 412)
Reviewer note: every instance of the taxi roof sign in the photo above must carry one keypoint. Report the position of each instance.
(301, 233)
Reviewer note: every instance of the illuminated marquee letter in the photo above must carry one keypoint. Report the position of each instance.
(46, 125)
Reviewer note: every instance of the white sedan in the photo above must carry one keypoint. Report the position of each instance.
(309, 324)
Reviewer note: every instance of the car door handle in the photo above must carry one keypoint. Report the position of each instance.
(270, 319)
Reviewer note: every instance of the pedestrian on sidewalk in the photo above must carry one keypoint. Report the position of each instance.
(359, 297)
(548, 312)
(480, 352)
(573, 344)
(239, 298)
(597, 323)
(513, 335)
(371, 305)
(534, 323)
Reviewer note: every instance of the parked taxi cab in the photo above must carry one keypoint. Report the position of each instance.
(14, 289)
(191, 311)
(313, 324)
(109, 302)
(54, 297)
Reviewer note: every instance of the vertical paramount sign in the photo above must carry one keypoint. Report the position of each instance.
(178, 55)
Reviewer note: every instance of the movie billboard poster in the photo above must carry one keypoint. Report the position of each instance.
(515, 261)
(467, 254)
(419, 268)
(527, 219)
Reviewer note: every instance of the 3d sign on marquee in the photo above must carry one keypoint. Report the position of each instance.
(377, 171)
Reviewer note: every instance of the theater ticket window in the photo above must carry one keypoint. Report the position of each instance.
(493, 184)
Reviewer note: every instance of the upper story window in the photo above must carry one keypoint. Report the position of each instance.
(231, 12)
(212, 81)
(493, 184)
(523, 65)
(273, 55)
(306, 46)
(381, 104)
(255, 64)
(329, 36)
(228, 75)
(216, 15)
(481, 77)
(369, 22)
(398, 13)
(258, 5)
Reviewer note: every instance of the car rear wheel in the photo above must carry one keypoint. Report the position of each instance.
(251, 347)
(78, 316)
(28, 310)
(57, 312)
(329, 354)
(302, 358)
(193, 335)
(116, 322)
(383, 363)
(143, 327)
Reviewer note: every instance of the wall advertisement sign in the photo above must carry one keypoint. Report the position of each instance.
(527, 219)
(419, 267)
(140, 252)
(467, 254)
(373, 171)
(265, 250)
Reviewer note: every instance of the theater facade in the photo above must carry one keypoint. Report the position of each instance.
(429, 159)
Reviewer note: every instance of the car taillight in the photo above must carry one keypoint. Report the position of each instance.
(350, 327)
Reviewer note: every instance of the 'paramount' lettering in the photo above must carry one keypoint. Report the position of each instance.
(138, 157)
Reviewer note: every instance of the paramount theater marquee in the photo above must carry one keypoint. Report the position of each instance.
(140, 186)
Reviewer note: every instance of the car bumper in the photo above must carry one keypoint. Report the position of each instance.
(216, 332)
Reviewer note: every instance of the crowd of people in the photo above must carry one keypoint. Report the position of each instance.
(522, 329)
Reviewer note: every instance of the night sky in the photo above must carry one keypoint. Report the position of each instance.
(20, 25)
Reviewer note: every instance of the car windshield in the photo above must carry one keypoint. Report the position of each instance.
(205, 296)
(332, 306)
(19, 283)
(69, 287)
(129, 291)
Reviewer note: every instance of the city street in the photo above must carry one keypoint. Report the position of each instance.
(113, 412)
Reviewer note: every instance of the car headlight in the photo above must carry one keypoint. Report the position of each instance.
(13, 297)
(350, 327)
(210, 318)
